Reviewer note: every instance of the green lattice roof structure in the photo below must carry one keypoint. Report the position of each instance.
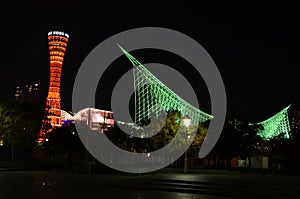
(150, 92)
(275, 125)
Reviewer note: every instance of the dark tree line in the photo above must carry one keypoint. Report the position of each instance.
(20, 123)
(19, 126)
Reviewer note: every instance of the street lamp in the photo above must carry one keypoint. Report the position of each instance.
(187, 123)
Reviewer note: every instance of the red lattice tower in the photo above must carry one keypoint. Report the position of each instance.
(57, 42)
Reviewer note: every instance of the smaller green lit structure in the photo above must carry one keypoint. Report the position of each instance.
(275, 125)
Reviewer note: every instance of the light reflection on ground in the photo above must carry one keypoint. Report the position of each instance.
(26, 184)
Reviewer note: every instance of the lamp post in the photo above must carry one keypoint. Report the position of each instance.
(187, 123)
(1, 141)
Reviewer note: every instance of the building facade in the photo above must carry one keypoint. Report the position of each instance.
(28, 91)
(295, 120)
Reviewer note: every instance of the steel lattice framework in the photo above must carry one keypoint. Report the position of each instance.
(153, 97)
(57, 42)
(275, 125)
(57, 47)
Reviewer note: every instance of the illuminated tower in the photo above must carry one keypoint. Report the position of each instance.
(57, 42)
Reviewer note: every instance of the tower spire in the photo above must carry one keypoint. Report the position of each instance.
(57, 42)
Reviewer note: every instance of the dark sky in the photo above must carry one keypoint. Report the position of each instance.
(254, 46)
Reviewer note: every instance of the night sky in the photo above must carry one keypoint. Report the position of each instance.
(254, 46)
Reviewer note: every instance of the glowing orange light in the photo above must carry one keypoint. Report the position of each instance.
(57, 42)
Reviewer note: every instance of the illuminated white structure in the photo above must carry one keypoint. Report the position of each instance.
(95, 118)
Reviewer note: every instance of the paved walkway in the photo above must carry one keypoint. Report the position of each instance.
(166, 184)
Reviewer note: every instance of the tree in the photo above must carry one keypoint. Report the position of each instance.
(22, 123)
(169, 128)
(63, 146)
(3, 122)
(198, 140)
(238, 139)
(249, 140)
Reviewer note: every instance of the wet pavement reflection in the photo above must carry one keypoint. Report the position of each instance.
(39, 184)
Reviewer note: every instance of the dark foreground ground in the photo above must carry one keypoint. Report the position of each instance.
(166, 183)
